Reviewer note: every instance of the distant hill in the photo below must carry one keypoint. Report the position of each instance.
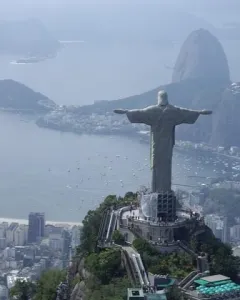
(26, 37)
(15, 96)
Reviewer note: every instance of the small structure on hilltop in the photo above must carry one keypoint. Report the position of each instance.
(140, 294)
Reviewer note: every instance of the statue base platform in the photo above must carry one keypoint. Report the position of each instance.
(159, 207)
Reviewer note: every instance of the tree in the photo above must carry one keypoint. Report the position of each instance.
(48, 283)
(105, 265)
(89, 233)
(118, 238)
(92, 221)
(115, 290)
(23, 290)
(194, 244)
(142, 246)
(226, 265)
(174, 293)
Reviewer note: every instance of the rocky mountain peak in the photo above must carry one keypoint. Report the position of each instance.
(201, 57)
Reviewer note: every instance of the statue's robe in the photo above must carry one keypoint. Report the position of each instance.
(162, 121)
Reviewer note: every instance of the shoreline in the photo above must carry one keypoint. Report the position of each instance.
(25, 222)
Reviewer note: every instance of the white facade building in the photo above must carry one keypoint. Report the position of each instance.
(10, 233)
(76, 236)
(56, 244)
(3, 243)
(19, 236)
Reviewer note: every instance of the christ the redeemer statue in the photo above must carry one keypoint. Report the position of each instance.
(162, 118)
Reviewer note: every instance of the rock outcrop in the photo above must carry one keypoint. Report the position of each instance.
(201, 57)
(78, 292)
(82, 275)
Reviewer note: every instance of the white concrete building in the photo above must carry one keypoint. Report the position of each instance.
(7, 253)
(10, 233)
(76, 235)
(19, 236)
(2, 231)
(3, 243)
(56, 241)
(234, 150)
(56, 244)
(12, 252)
(12, 264)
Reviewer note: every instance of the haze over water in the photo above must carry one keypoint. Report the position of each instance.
(39, 167)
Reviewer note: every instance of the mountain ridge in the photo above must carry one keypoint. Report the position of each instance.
(15, 96)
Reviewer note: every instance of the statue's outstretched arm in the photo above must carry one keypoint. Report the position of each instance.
(137, 115)
(205, 112)
(190, 116)
(120, 111)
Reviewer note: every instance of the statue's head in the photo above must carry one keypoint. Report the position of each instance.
(162, 98)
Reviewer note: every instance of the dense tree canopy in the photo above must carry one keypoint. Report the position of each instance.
(92, 221)
(105, 265)
(175, 264)
(44, 289)
(116, 290)
(48, 283)
(118, 238)
(221, 259)
(23, 290)
(108, 278)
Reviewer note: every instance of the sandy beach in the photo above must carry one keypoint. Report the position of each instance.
(22, 221)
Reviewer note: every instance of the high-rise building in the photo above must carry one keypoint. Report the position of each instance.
(19, 236)
(76, 236)
(219, 226)
(66, 241)
(2, 231)
(10, 233)
(36, 225)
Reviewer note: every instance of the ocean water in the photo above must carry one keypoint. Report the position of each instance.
(65, 175)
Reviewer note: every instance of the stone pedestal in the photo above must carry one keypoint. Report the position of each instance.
(159, 206)
(166, 207)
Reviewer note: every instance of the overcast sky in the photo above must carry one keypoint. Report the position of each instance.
(120, 15)
(56, 7)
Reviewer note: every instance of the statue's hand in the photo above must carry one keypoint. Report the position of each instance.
(120, 111)
(206, 112)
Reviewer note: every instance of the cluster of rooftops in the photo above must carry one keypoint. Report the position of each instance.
(216, 284)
